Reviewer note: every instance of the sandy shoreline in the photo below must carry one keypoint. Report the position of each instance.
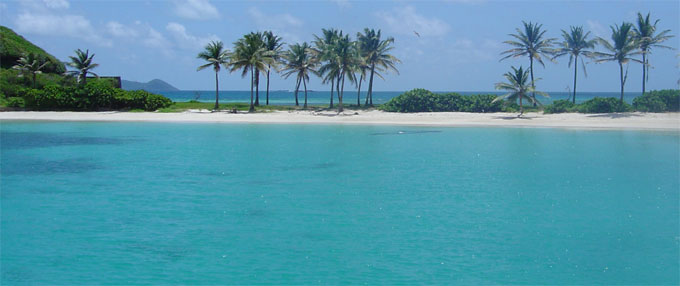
(633, 121)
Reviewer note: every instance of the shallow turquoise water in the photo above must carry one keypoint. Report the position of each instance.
(122, 203)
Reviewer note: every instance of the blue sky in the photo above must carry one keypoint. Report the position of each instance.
(458, 48)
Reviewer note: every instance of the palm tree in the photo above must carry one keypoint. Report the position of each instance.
(347, 63)
(530, 43)
(250, 56)
(323, 52)
(258, 40)
(273, 44)
(216, 56)
(31, 64)
(377, 57)
(645, 38)
(518, 87)
(83, 64)
(575, 43)
(300, 62)
(621, 50)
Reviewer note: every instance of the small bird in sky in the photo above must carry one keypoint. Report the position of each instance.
(416, 33)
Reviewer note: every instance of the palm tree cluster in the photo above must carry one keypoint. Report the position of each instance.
(333, 56)
(627, 41)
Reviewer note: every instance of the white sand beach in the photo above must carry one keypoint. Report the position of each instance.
(636, 120)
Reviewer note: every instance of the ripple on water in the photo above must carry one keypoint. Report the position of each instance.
(28, 140)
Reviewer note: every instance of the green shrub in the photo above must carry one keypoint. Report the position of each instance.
(603, 105)
(15, 102)
(421, 100)
(416, 100)
(155, 102)
(658, 101)
(481, 103)
(95, 95)
(559, 106)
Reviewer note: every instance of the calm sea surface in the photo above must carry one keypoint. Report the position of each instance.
(280, 97)
(128, 203)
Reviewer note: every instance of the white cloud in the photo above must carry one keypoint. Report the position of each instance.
(271, 22)
(597, 28)
(196, 9)
(466, 1)
(156, 40)
(466, 50)
(342, 3)
(406, 20)
(119, 30)
(285, 25)
(75, 26)
(185, 40)
(56, 4)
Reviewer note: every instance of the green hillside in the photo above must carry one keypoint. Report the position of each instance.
(13, 46)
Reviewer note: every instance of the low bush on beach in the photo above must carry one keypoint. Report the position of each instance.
(422, 100)
(658, 101)
(560, 106)
(604, 105)
(95, 95)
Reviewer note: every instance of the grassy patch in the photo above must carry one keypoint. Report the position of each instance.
(244, 107)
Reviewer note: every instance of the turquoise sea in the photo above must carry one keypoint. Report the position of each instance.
(284, 97)
(152, 203)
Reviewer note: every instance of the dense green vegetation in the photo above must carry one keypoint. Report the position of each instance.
(14, 46)
(97, 94)
(658, 101)
(33, 82)
(422, 100)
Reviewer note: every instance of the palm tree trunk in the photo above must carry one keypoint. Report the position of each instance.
(370, 86)
(305, 84)
(297, 87)
(34, 79)
(573, 98)
(359, 91)
(644, 71)
(521, 109)
(217, 96)
(83, 78)
(342, 91)
(332, 86)
(268, 84)
(337, 87)
(533, 86)
(252, 82)
(621, 70)
(257, 87)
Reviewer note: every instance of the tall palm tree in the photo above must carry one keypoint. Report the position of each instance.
(216, 56)
(300, 62)
(82, 62)
(575, 43)
(347, 63)
(258, 40)
(645, 38)
(273, 44)
(250, 55)
(518, 87)
(377, 57)
(530, 43)
(621, 50)
(323, 52)
(32, 64)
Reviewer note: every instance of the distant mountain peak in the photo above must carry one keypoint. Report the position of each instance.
(152, 85)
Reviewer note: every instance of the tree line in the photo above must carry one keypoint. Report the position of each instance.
(627, 41)
(333, 57)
